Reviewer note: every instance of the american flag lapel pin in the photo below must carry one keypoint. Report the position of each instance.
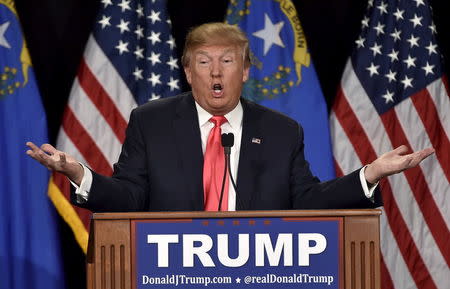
(256, 140)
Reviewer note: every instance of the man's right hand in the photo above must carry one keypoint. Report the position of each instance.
(56, 160)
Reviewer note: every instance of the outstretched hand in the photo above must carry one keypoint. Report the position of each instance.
(56, 160)
(394, 162)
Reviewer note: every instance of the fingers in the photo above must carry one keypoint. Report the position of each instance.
(427, 152)
(413, 159)
(45, 147)
(48, 148)
(33, 148)
(35, 152)
(43, 154)
(31, 145)
(44, 151)
(401, 150)
(419, 156)
(397, 161)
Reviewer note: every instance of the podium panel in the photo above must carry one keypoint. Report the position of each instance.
(245, 249)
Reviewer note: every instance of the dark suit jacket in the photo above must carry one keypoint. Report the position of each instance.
(160, 167)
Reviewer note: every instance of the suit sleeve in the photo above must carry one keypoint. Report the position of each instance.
(127, 189)
(307, 192)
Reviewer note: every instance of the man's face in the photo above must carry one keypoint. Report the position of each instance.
(216, 74)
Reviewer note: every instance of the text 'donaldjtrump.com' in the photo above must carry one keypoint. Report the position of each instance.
(182, 280)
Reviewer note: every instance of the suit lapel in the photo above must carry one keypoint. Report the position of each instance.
(250, 160)
(189, 147)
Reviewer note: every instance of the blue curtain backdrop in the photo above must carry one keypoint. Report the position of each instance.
(29, 244)
(283, 76)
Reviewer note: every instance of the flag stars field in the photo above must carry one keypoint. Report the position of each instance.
(129, 60)
(394, 92)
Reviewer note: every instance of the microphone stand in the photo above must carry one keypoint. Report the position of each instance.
(239, 202)
(227, 143)
(223, 180)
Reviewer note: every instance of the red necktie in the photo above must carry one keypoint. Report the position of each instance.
(213, 168)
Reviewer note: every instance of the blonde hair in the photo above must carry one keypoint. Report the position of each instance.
(215, 33)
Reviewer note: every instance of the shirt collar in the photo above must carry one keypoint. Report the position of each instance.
(234, 117)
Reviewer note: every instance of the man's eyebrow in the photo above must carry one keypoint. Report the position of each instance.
(202, 52)
(205, 53)
(229, 51)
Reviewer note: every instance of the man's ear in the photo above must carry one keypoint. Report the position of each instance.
(187, 71)
(245, 74)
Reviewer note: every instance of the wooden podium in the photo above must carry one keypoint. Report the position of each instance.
(111, 251)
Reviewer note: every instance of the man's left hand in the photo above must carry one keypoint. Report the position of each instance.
(394, 162)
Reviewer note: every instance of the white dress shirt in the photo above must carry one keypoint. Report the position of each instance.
(234, 125)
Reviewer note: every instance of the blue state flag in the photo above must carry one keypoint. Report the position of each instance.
(283, 76)
(29, 244)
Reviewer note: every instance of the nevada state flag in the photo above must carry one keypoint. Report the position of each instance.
(282, 76)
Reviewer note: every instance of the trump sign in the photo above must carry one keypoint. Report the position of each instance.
(238, 253)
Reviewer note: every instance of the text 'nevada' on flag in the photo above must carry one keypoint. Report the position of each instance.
(129, 59)
(282, 76)
(393, 92)
(30, 255)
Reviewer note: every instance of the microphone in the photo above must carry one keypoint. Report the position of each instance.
(227, 143)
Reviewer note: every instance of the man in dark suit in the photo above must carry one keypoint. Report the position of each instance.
(161, 165)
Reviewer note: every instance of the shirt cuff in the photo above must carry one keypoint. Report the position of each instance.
(82, 191)
(367, 191)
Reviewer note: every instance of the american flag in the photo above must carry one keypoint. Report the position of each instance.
(394, 92)
(129, 60)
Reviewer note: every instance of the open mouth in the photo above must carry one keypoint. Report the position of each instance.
(217, 88)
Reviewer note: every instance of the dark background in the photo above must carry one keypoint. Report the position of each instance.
(57, 30)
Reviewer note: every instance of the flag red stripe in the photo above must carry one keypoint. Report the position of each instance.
(446, 85)
(406, 245)
(365, 152)
(101, 100)
(63, 184)
(418, 184)
(85, 144)
(385, 276)
(428, 114)
(337, 168)
(353, 129)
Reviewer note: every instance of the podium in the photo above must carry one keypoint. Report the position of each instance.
(122, 246)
